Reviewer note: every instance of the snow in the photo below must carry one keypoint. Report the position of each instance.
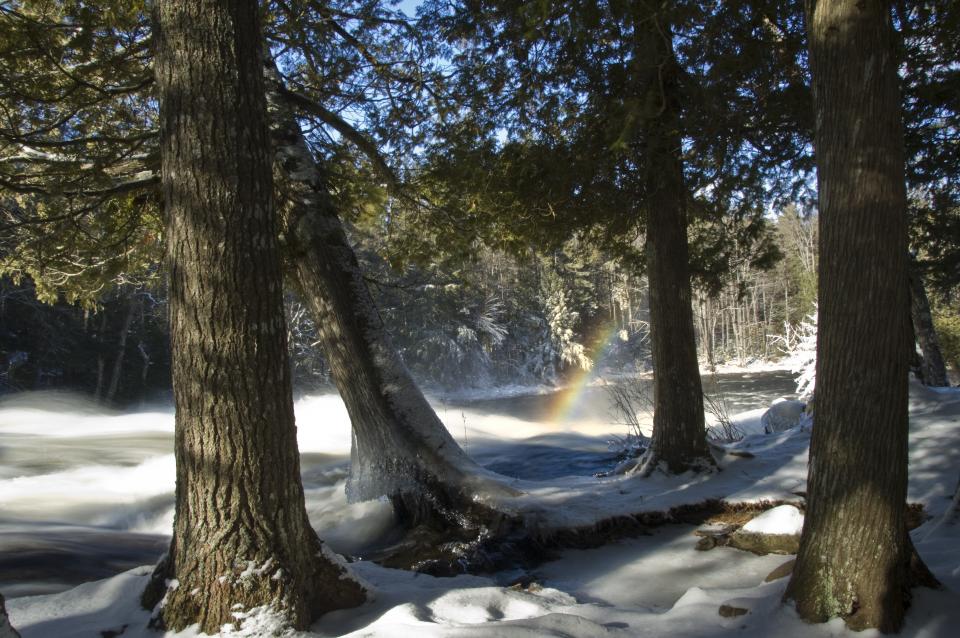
(783, 415)
(652, 585)
(751, 366)
(783, 519)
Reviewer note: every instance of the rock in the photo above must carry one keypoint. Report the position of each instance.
(776, 531)
(781, 572)
(782, 519)
(763, 544)
(782, 415)
(729, 611)
(713, 537)
(706, 543)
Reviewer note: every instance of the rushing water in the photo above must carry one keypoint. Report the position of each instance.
(86, 492)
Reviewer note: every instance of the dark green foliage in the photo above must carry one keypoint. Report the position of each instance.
(930, 37)
(476, 128)
(77, 147)
(549, 147)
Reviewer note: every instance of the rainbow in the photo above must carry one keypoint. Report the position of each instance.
(566, 400)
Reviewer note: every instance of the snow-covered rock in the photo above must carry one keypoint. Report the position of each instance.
(776, 531)
(783, 519)
(782, 415)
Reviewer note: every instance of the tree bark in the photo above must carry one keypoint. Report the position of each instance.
(241, 538)
(400, 449)
(855, 553)
(679, 435)
(6, 629)
(933, 372)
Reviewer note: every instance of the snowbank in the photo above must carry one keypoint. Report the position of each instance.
(656, 586)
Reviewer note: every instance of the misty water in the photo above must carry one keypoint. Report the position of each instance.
(86, 492)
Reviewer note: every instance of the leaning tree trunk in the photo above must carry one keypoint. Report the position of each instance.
(855, 553)
(679, 436)
(933, 372)
(241, 538)
(6, 630)
(400, 449)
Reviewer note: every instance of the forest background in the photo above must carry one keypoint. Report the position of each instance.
(471, 299)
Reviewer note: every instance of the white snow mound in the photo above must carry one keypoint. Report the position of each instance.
(783, 519)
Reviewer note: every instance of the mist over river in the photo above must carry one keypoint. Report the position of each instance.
(87, 492)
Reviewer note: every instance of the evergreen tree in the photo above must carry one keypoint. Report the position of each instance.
(241, 540)
(579, 116)
(330, 35)
(856, 560)
(679, 435)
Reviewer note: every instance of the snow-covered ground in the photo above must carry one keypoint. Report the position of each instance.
(751, 366)
(656, 585)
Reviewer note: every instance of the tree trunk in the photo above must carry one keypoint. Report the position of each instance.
(400, 449)
(933, 372)
(679, 436)
(241, 538)
(144, 367)
(855, 553)
(101, 362)
(6, 630)
(120, 352)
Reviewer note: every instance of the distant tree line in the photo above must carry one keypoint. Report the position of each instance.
(490, 318)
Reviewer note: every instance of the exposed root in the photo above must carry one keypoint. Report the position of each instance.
(649, 462)
(920, 574)
(436, 547)
(446, 551)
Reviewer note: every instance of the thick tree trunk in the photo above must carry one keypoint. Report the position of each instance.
(241, 538)
(6, 630)
(401, 449)
(932, 369)
(679, 436)
(855, 553)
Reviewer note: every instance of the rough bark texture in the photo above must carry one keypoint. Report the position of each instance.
(6, 630)
(241, 537)
(401, 449)
(933, 372)
(855, 553)
(679, 435)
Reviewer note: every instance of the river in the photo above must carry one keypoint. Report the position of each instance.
(87, 492)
